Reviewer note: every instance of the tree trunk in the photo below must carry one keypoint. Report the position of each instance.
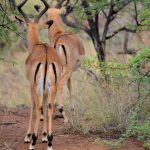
(99, 47)
(100, 50)
(126, 40)
(2, 45)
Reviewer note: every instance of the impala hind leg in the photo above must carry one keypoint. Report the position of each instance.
(69, 85)
(45, 98)
(28, 135)
(37, 121)
(61, 83)
(50, 114)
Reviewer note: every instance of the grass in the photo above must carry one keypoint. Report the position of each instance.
(100, 109)
(147, 145)
(113, 144)
(14, 87)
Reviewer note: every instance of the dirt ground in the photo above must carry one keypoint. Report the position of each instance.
(13, 125)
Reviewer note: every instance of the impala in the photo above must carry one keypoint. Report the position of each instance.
(70, 50)
(43, 69)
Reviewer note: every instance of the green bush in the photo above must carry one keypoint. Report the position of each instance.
(100, 106)
(139, 126)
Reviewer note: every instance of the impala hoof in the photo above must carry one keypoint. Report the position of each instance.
(31, 147)
(41, 118)
(27, 138)
(58, 116)
(44, 138)
(49, 148)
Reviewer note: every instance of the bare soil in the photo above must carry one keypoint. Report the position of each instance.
(13, 125)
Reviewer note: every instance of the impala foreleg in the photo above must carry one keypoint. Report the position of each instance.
(37, 121)
(50, 114)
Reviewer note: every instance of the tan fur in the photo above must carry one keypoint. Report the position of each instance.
(32, 35)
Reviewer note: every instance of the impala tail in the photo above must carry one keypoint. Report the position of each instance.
(45, 74)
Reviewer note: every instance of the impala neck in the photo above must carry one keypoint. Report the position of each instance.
(32, 35)
(56, 27)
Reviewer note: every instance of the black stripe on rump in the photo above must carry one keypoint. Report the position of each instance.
(36, 71)
(54, 68)
(45, 74)
(64, 50)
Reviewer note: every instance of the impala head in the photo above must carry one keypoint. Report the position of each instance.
(32, 24)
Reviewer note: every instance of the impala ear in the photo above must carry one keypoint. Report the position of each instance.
(49, 23)
(37, 8)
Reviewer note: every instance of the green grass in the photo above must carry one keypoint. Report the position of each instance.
(113, 144)
(147, 145)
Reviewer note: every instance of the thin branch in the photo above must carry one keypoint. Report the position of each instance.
(144, 74)
(110, 17)
(10, 22)
(125, 4)
(88, 13)
(140, 80)
(4, 16)
(59, 4)
(69, 9)
(18, 34)
(119, 30)
(104, 13)
(136, 14)
(97, 25)
(108, 21)
(73, 25)
(1, 7)
(90, 73)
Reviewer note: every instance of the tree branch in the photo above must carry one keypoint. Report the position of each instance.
(59, 4)
(125, 4)
(73, 25)
(136, 14)
(104, 13)
(1, 7)
(108, 21)
(112, 15)
(119, 30)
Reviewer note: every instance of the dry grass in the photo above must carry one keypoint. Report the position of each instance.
(14, 87)
(98, 109)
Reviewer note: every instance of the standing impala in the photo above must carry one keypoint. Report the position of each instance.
(69, 48)
(43, 70)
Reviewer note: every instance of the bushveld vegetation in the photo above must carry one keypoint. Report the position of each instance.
(108, 94)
